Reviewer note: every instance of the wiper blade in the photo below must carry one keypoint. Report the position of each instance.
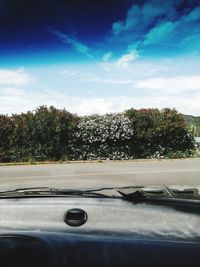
(99, 191)
(49, 191)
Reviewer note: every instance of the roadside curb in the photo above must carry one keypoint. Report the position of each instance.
(91, 161)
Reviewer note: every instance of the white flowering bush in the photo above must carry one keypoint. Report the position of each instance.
(103, 137)
(167, 153)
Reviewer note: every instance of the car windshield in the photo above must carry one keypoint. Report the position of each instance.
(100, 94)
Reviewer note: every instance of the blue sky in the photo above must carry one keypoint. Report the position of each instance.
(99, 56)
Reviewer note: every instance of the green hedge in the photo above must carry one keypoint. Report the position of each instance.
(160, 133)
(56, 134)
(41, 135)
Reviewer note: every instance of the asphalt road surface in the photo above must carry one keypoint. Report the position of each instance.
(87, 175)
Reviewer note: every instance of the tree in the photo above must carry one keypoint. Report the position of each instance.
(6, 131)
(159, 131)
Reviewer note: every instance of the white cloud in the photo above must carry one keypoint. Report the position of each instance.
(91, 89)
(139, 16)
(126, 59)
(18, 100)
(72, 41)
(110, 81)
(70, 73)
(160, 34)
(14, 77)
(171, 84)
(107, 56)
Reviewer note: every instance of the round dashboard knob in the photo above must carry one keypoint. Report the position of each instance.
(75, 217)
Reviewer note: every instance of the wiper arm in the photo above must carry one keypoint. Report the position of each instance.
(161, 194)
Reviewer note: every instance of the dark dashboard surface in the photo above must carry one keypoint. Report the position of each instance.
(34, 232)
(63, 250)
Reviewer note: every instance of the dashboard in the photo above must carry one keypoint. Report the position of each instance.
(86, 232)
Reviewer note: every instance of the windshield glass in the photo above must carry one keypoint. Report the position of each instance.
(99, 93)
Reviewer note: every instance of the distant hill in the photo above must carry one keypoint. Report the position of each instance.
(194, 120)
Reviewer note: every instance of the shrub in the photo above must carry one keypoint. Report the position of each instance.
(158, 131)
(56, 134)
(103, 137)
(42, 135)
(6, 131)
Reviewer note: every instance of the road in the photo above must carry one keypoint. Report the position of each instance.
(77, 175)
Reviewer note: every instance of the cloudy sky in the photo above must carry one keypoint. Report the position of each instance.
(93, 56)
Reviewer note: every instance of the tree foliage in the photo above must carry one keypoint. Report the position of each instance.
(6, 131)
(195, 121)
(54, 134)
(41, 135)
(160, 133)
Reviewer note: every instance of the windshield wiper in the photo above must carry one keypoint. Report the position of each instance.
(144, 194)
(49, 191)
(130, 193)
